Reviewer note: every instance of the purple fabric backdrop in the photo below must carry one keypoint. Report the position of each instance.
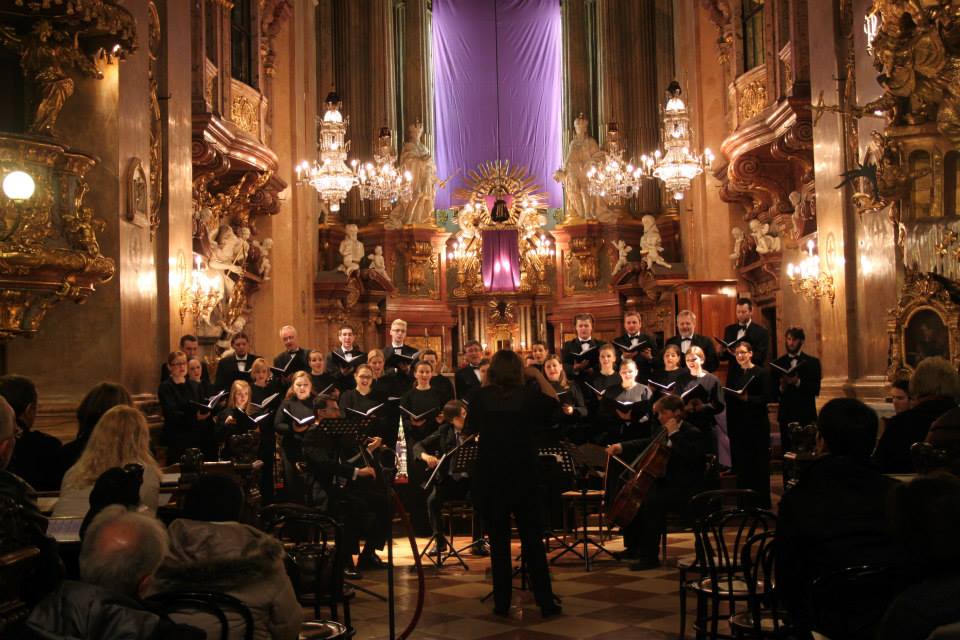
(501, 260)
(481, 47)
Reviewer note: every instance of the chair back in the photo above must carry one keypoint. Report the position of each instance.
(720, 540)
(850, 603)
(759, 570)
(212, 603)
(314, 547)
(706, 502)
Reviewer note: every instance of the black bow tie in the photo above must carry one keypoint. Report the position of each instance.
(584, 341)
(474, 366)
(743, 326)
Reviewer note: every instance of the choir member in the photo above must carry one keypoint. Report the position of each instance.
(195, 374)
(235, 366)
(572, 413)
(796, 379)
(624, 410)
(580, 355)
(233, 419)
(293, 419)
(421, 406)
(265, 392)
(190, 346)
(121, 438)
(539, 352)
(637, 345)
(361, 401)
(398, 333)
(377, 361)
(702, 395)
(745, 329)
(185, 424)
(507, 413)
(439, 381)
(293, 358)
(353, 493)
(322, 381)
(688, 337)
(747, 393)
(607, 375)
(666, 381)
(342, 361)
(468, 376)
(683, 478)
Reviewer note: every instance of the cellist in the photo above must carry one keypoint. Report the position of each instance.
(683, 478)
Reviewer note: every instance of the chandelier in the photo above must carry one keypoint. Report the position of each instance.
(614, 179)
(806, 278)
(382, 179)
(201, 297)
(329, 174)
(677, 165)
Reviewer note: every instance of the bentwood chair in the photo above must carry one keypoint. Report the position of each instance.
(217, 606)
(762, 618)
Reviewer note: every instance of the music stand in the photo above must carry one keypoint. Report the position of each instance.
(584, 461)
(463, 457)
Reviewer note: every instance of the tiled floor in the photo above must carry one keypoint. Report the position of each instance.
(610, 601)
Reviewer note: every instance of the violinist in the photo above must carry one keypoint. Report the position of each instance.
(293, 419)
(348, 486)
(682, 479)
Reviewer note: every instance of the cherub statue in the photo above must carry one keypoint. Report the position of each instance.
(738, 238)
(264, 248)
(377, 263)
(351, 251)
(765, 241)
(623, 250)
(651, 244)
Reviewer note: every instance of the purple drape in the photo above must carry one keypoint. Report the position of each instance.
(501, 260)
(497, 70)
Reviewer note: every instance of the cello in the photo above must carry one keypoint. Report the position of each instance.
(650, 465)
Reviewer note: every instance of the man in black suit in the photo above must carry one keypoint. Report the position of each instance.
(581, 356)
(190, 346)
(683, 478)
(798, 390)
(643, 347)
(293, 354)
(237, 365)
(687, 337)
(747, 330)
(36, 453)
(398, 333)
(469, 376)
(343, 361)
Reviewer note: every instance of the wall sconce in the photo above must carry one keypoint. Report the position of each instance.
(18, 186)
(808, 280)
(201, 297)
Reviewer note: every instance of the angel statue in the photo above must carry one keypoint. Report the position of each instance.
(623, 250)
(651, 244)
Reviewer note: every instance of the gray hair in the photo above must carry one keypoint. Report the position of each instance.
(121, 548)
(686, 313)
(935, 376)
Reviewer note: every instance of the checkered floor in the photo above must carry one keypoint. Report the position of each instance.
(610, 601)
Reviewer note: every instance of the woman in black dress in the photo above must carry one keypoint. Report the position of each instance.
(625, 410)
(293, 419)
(702, 396)
(507, 413)
(666, 381)
(266, 392)
(322, 381)
(184, 425)
(569, 417)
(748, 424)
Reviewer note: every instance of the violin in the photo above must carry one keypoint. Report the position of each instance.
(650, 465)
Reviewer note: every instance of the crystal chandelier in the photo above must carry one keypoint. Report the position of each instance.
(677, 165)
(614, 179)
(202, 296)
(382, 179)
(806, 278)
(330, 175)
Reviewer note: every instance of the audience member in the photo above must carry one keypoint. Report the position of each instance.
(98, 400)
(36, 453)
(29, 527)
(926, 516)
(114, 486)
(836, 515)
(120, 438)
(211, 550)
(118, 558)
(934, 387)
(900, 395)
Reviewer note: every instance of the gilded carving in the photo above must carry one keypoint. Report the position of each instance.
(156, 123)
(245, 115)
(585, 250)
(916, 325)
(752, 100)
(136, 205)
(418, 259)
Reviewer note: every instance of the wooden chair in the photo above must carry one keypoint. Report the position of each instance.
(762, 618)
(212, 603)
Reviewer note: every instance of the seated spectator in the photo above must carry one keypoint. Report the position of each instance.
(118, 558)
(944, 435)
(120, 438)
(836, 515)
(211, 550)
(114, 486)
(29, 528)
(105, 395)
(926, 516)
(900, 395)
(934, 387)
(35, 449)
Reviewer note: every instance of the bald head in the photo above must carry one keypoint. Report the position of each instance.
(122, 550)
(8, 431)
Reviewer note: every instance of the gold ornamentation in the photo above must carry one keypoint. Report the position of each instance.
(245, 115)
(136, 206)
(585, 250)
(418, 254)
(923, 299)
(156, 124)
(752, 100)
